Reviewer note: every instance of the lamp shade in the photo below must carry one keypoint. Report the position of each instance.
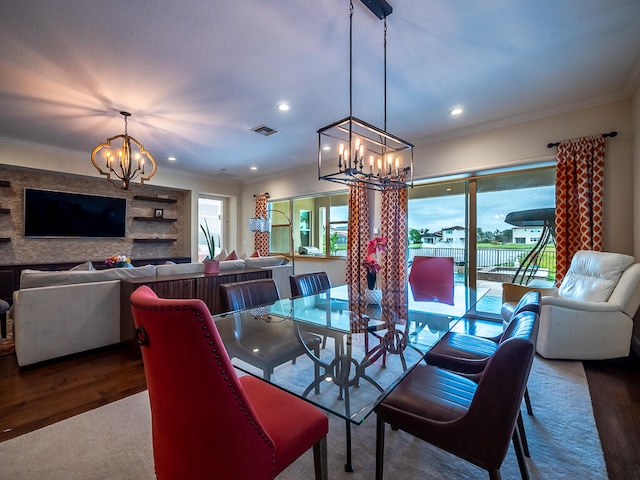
(259, 224)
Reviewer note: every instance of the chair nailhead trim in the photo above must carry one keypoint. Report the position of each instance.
(230, 385)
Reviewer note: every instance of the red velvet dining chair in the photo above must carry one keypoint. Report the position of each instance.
(431, 279)
(206, 421)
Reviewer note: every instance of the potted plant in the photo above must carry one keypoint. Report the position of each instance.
(211, 265)
(374, 246)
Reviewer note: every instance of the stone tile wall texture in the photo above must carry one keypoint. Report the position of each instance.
(22, 250)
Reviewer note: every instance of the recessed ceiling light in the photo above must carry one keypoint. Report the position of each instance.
(254, 167)
(171, 159)
(283, 107)
(456, 111)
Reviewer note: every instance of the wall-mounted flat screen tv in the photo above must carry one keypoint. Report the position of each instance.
(61, 214)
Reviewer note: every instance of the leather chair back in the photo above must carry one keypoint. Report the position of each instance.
(524, 325)
(475, 423)
(252, 293)
(309, 284)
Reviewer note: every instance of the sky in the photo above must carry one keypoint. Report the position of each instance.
(444, 212)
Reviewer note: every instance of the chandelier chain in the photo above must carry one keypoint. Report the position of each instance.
(385, 73)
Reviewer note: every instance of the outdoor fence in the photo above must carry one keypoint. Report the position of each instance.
(488, 257)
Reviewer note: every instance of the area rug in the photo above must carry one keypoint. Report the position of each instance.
(114, 442)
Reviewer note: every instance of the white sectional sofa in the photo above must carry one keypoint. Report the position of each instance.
(62, 313)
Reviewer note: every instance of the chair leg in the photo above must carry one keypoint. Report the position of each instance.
(527, 401)
(494, 475)
(379, 447)
(517, 446)
(320, 459)
(523, 435)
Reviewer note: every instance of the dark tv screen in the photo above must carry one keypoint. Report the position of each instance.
(62, 214)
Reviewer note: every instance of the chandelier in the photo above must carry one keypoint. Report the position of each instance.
(364, 154)
(127, 163)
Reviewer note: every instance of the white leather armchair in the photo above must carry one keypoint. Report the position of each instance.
(590, 316)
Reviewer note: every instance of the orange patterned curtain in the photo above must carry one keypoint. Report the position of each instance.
(261, 239)
(579, 199)
(357, 238)
(394, 261)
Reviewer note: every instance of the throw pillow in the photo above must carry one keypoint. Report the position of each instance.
(232, 256)
(84, 267)
(255, 254)
(221, 256)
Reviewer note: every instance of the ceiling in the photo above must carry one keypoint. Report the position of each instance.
(199, 75)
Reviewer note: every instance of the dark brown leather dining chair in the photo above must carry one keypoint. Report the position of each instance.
(248, 294)
(254, 339)
(474, 421)
(309, 284)
(469, 354)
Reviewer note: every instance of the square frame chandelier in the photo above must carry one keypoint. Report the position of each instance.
(354, 152)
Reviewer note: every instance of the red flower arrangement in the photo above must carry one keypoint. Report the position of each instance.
(374, 246)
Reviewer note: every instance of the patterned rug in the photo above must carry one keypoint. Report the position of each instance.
(114, 442)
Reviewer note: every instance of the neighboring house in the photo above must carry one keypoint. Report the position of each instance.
(526, 235)
(431, 238)
(454, 236)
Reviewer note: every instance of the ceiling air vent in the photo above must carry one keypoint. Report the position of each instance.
(264, 130)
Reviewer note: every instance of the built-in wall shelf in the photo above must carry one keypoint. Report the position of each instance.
(154, 240)
(155, 219)
(5, 183)
(154, 199)
(5, 211)
(5, 239)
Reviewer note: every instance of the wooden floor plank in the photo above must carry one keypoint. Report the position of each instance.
(615, 394)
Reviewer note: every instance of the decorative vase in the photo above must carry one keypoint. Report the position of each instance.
(212, 266)
(371, 280)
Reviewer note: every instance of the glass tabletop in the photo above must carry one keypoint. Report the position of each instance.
(342, 350)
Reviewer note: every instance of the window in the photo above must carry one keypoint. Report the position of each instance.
(280, 237)
(338, 224)
(318, 226)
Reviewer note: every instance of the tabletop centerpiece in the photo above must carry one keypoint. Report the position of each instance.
(375, 246)
(118, 261)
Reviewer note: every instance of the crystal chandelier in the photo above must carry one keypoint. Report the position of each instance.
(364, 154)
(127, 163)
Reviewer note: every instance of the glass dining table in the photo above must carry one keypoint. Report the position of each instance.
(370, 341)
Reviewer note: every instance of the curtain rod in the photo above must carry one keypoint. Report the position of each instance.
(605, 135)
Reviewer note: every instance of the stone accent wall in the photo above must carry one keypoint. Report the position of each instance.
(43, 250)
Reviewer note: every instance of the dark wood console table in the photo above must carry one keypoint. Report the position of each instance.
(204, 286)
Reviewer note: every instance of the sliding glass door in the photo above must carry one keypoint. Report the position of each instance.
(442, 215)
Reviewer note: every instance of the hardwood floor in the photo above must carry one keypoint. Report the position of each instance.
(34, 397)
(615, 395)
